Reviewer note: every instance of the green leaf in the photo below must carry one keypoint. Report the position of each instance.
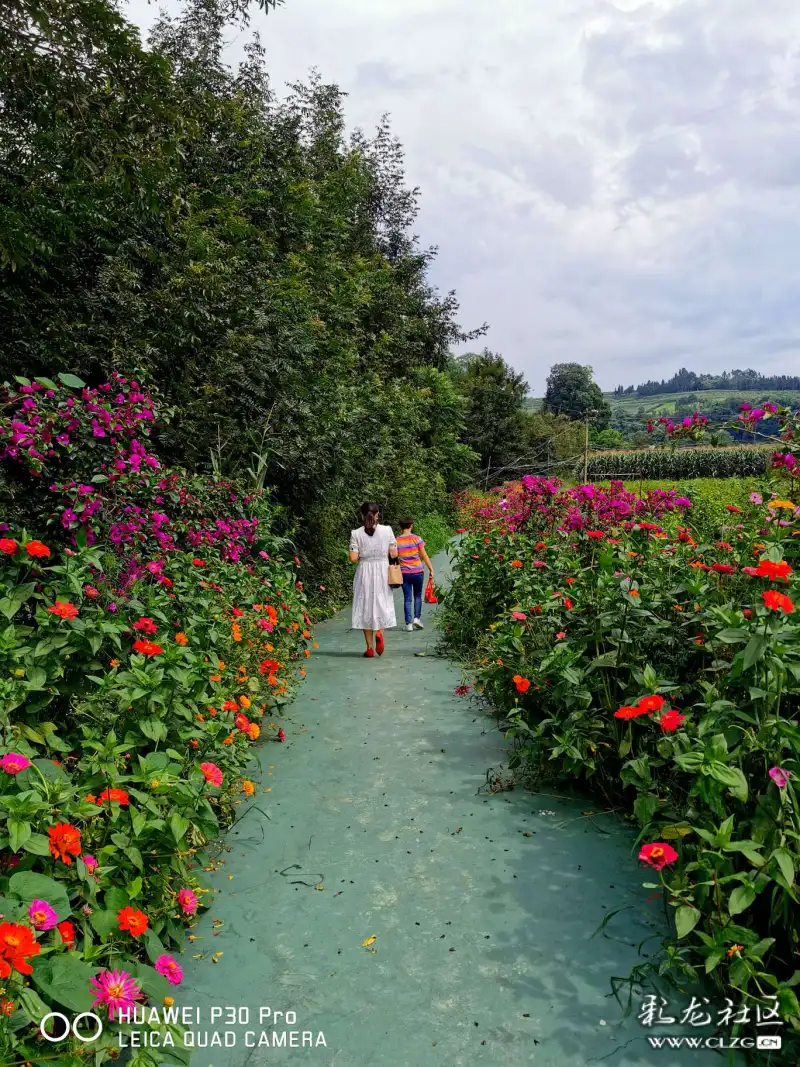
(32, 1004)
(65, 978)
(29, 886)
(731, 637)
(756, 648)
(714, 959)
(71, 381)
(36, 678)
(153, 945)
(644, 808)
(18, 833)
(48, 383)
(116, 899)
(178, 825)
(784, 860)
(788, 1004)
(732, 777)
(741, 899)
(37, 845)
(686, 918)
(134, 888)
(104, 922)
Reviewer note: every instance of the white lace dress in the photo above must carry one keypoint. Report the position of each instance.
(373, 602)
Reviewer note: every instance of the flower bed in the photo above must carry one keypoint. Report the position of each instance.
(149, 633)
(636, 657)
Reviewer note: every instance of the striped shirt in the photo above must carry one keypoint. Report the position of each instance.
(408, 546)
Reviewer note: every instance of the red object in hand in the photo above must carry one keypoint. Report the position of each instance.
(430, 595)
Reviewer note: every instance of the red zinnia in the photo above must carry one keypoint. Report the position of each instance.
(774, 571)
(135, 922)
(522, 684)
(595, 533)
(65, 841)
(37, 549)
(199, 562)
(67, 931)
(8, 546)
(658, 854)
(671, 720)
(778, 601)
(651, 703)
(628, 712)
(722, 568)
(145, 625)
(64, 610)
(147, 648)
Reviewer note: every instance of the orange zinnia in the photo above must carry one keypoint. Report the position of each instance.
(64, 610)
(181, 638)
(65, 841)
(17, 945)
(135, 922)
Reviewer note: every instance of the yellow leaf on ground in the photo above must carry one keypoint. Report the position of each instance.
(369, 941)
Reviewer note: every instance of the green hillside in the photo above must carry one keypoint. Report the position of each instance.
(665, 403)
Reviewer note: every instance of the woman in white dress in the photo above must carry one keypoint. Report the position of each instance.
(371, 547)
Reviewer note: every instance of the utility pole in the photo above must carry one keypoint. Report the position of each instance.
(585, 447)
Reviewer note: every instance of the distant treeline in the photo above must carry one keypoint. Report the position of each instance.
(686, 381)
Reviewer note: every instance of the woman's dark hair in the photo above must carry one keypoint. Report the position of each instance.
(369, 513)
(406, 524)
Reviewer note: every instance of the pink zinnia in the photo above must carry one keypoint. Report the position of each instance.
(211, 773)
(519, 615)
(43, 916)
(13, 763)
(170, 968)
(90, 861)
(779, 776)
(116, 989)
(187, 901)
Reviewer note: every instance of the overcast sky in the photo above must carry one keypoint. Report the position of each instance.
(614, 183)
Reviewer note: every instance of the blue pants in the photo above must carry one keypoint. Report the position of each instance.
(412, 585)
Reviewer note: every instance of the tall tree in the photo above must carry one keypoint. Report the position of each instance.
(495, 395)
(571, 391)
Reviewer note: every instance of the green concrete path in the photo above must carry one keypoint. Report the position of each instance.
(482, 906)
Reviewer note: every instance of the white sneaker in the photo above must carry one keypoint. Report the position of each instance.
(418, 624)
(409, 628)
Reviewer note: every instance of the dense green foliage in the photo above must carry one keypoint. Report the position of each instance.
(636, 653)
(166, 216)
(571, 391)
(679, 463)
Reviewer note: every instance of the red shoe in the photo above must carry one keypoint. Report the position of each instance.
(370, 653)
(379, 646)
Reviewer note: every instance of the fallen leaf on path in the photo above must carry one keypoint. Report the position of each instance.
(319, 888)
(369, 941)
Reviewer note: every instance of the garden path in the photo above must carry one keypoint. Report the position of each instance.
(482, 906)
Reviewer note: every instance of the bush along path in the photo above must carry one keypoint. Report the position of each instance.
(400, 908)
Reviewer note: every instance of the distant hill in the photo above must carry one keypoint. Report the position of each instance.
(666, 403)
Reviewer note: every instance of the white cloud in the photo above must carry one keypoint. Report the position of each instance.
(612, 182)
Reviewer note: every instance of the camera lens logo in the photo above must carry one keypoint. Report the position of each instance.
(65, 1027)
(768, 1041)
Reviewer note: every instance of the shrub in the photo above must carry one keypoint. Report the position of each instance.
(140, 660)
(681, 463)
(660, 670)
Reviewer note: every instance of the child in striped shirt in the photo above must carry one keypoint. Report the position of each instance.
(411, 550)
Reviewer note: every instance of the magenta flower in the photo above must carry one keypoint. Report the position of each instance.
(187, 900)
(91, 862)
(13, 763)
(116, 989)
(779, 776)
(756, 498)
(170, 968)
(43, 916)
(519, 615)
